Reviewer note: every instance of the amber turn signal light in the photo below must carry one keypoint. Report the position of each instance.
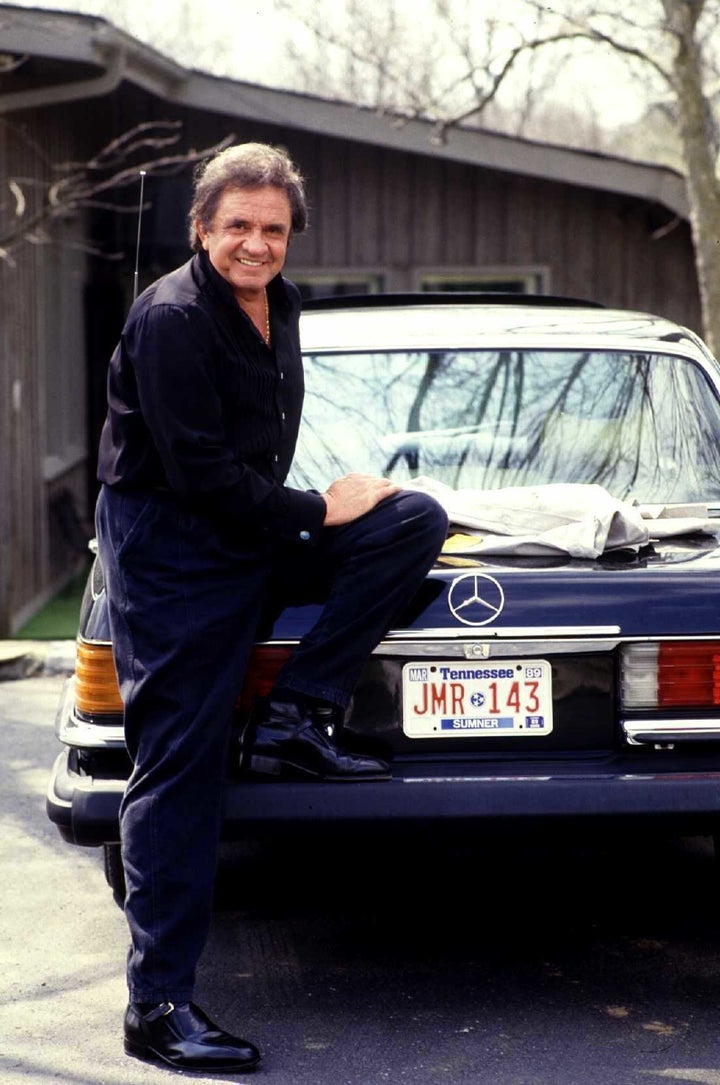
(96, 684)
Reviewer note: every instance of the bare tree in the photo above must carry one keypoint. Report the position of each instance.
(31, 205)
(458, 65)
(674, 44)
(699, 137)
(449, 65)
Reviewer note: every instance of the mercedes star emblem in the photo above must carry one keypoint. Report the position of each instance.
(475, 598)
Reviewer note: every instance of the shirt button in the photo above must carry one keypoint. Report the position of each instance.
(276, 457)
(304, 535)
(282, 375)
(282, 415)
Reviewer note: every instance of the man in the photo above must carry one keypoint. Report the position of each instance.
(195, 528)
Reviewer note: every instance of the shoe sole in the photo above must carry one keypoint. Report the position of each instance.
(147, 1054)
(272, 766)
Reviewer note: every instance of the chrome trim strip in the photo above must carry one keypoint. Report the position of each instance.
(484, 649)
(446, 637)
(646, 732)
(73, 731)
(506, 631)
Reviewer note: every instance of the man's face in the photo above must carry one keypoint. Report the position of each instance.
(248, 237)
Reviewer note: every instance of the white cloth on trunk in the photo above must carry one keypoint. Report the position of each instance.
(582, 520)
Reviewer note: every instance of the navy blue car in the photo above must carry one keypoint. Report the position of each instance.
(563, 657)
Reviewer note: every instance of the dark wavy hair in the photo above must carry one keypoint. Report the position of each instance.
(246, 165)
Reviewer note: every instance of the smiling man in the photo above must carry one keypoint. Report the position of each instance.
(199, 538)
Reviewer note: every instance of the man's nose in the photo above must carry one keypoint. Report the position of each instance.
(254, 241)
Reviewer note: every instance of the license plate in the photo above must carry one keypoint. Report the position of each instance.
(483, 700)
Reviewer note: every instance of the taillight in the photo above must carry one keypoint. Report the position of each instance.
(681, 674)
(266, 661)
(97, 690)
(96, 684)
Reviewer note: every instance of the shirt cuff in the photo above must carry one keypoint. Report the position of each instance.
(302, 519)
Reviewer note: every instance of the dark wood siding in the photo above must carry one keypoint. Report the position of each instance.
(381, 210)
(404, 213)
(41, 361)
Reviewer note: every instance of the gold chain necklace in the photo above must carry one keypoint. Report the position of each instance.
(267, 320)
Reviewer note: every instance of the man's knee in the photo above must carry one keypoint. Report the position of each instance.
(409, 523)
(425, 515)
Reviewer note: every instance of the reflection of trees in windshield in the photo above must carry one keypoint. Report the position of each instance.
(410, 452)
(641, 425)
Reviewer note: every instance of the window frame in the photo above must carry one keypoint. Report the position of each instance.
(373, 279)
(532, 278)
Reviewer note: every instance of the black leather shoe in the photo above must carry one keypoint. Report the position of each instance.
(288, 743)
(182, 1036)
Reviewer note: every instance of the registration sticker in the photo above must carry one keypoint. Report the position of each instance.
(478, 700)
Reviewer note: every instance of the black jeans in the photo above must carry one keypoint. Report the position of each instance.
(184, 606)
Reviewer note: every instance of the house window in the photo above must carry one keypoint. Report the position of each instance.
(336, 284)
(497, 280)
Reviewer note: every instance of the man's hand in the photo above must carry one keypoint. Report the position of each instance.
(350, 497)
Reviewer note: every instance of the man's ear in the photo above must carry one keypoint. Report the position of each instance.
(201, 232)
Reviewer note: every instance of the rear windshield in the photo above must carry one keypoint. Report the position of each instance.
(644, 426)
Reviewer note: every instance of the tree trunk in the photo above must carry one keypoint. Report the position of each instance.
(699, 147)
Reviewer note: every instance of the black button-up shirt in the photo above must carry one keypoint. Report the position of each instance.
(199, 405)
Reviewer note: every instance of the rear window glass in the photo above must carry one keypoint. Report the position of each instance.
(644, 426)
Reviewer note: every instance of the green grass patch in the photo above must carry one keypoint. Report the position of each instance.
(58, 619)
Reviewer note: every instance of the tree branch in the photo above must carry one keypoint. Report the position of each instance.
(82, 186)
(497, 80)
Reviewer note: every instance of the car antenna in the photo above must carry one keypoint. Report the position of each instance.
(137, 246)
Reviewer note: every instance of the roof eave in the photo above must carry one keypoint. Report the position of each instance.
(75, 37)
